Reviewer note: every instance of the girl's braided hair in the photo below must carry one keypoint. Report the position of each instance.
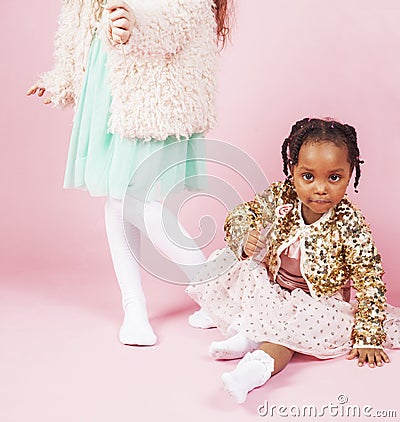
(315, 130)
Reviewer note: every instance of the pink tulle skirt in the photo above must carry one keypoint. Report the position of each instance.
(241, 298)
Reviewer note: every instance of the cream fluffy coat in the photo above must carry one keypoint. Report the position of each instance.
(162, 81)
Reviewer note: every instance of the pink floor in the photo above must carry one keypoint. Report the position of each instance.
(60, 360)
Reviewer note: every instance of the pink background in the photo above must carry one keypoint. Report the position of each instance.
(288, 60)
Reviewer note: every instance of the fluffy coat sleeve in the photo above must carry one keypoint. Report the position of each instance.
(59, 82)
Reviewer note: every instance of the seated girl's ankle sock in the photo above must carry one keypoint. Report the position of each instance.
(136, 329)
(200, 319)
(234, 347)
(252, 371)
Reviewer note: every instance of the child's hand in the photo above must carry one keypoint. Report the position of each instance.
(40, 90)
(370, 355)
(254, 242)
(121, 21)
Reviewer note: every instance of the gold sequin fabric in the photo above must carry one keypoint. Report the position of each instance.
(337, 249)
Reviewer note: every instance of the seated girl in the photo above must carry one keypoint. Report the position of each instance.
(310, 242)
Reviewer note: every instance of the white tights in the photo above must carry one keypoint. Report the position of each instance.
(145, 218)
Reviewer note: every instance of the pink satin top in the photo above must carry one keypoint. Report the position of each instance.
(289, 274)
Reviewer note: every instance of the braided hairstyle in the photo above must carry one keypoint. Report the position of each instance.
(315, 130)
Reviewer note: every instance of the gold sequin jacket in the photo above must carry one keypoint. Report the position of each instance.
(335, 249)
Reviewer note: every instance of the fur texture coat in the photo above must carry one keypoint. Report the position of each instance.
(162, 81)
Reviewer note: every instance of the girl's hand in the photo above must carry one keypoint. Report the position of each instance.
(254, 242)
(370, 355)
(121, 21)
(40, 90)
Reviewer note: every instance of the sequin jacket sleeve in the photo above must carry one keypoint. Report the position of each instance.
(252, 215)
(366, 272)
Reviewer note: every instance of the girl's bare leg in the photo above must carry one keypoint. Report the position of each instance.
(281, 355)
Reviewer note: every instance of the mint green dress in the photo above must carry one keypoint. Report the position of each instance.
(105, 164)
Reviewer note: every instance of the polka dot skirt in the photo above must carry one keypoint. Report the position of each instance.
(239, 297)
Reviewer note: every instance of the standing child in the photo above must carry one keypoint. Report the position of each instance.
(141, 75)
(317, 241)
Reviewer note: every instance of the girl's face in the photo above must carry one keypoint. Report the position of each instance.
(321, 177)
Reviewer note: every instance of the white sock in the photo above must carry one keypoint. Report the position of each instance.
(164, 230)
(252, 371)
(200, 319)
(234, 347)
(136, 329)
(168, 234)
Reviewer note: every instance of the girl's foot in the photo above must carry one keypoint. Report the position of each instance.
(136, 329)
(252, 371)
(200, 319)
(234, 347)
